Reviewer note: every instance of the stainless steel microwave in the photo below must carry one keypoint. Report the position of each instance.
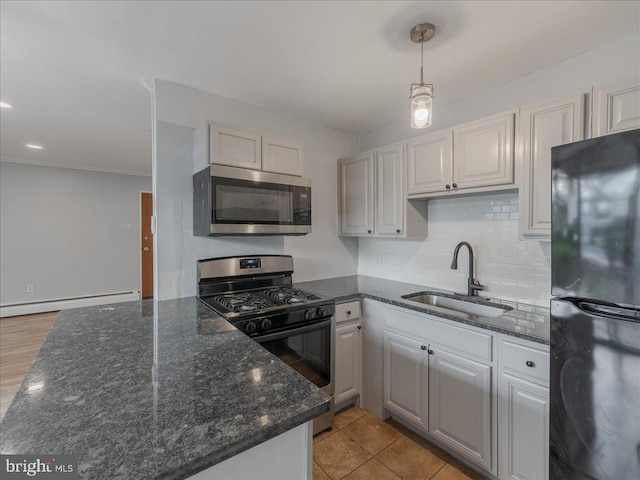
(236, 201)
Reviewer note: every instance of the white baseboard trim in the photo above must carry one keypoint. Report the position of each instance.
(55, 305)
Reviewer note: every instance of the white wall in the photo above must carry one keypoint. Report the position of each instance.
(179, 110)
(71, 233)
(612, 62)
(511, 269)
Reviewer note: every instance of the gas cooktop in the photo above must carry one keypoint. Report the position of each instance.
(250, 303)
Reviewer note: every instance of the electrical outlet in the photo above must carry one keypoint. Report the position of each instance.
(29, 288)
(379, 257)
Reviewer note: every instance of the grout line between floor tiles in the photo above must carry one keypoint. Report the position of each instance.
(438, 471)
(323, 470)
(447, 460)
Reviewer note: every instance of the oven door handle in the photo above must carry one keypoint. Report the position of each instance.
(292, 333)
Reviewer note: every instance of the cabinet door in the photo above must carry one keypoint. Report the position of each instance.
(406, 378)
(348, 361)
(483, 152)
(235, 148)
(372, 356)
(616, 107)
(429, 160)
(282, 156)
(356, 195)
(460, 405)
(390, 195)
(542, 126)
(524, 429)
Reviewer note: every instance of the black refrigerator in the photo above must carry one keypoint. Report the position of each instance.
(595, 313)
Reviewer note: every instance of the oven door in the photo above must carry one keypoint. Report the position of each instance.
(307, 349)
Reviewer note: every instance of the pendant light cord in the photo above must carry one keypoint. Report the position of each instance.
(421, 56)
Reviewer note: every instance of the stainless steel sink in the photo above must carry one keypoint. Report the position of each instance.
(459, 303)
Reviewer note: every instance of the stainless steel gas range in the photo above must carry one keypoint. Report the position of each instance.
(256, 294)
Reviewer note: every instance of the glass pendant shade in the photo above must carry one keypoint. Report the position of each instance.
(421, 106)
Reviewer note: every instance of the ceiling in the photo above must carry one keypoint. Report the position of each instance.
(73, 70)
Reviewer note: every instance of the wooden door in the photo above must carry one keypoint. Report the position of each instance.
(146, 243)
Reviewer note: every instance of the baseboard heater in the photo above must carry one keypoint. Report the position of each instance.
(12, 310)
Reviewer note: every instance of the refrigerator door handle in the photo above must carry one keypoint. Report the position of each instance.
(609, 310)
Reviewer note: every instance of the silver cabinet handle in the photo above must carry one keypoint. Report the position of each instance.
(146, 249)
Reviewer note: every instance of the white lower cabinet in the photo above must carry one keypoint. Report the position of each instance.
(372, 356)
(523, 410)
(482, 395)
(438, 376)
(460, 404)
(406, 378)
(348, 352)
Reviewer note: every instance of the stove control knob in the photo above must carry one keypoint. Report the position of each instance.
(266, 324)
(321, 312)
(250, 327)
(309, 314)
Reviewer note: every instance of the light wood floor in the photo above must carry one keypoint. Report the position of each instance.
(20, 340)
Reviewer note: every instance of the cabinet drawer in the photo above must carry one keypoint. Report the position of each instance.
(528, 360)
(347, 311)
(466, 340)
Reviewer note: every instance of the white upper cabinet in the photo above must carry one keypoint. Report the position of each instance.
(543, 126)
(372, 196)
(483, 152)
(390, 195)
(235, 148)
(429, 162)
(218, 144)
(616, 107)
(280, 155)
(356, 195)
(478, 155)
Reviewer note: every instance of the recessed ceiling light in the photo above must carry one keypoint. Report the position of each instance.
(34, 146)
(5, 105)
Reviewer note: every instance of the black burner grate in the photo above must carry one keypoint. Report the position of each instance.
(243, 302)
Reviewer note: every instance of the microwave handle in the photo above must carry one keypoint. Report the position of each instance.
(291, 333)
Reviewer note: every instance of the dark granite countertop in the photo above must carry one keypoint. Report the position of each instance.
(525, 321)
(144, 390)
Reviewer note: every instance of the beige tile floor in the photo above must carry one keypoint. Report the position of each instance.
(363, 447)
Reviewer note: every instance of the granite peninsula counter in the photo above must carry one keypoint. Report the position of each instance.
(150, 390)
(524, 321)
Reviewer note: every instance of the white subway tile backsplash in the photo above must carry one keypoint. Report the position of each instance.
(511, 269)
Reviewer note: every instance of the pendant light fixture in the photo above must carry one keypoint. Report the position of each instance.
(422, 93)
